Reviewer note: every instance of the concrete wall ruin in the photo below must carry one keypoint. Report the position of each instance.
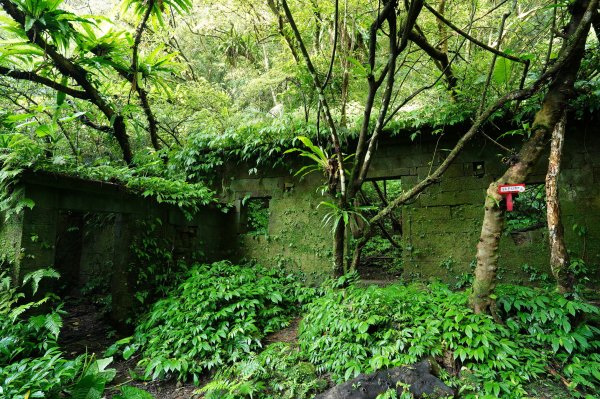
(86, 229)
(441, 227)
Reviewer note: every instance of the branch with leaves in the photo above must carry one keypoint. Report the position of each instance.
(33, 30)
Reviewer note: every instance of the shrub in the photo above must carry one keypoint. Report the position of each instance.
(355, 330)
(281, 371)
(31, 363)
(218, 315)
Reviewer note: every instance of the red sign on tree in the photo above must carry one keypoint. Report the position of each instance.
(508, 190)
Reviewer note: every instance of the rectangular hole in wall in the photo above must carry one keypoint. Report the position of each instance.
(381, 258)
(529, 213)
(476, 169)
(254, 218)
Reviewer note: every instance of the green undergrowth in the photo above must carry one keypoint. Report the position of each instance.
(281, 371)
(32, 365)
(216, 319)
(353, 330)
(217, 316)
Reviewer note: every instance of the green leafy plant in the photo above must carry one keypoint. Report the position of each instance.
(154, 271)
(31, 362)
(336, 214)
(353, 330)
(258, 216)
(129, 392)
(281, 371)
(218, 315)
(321, 160)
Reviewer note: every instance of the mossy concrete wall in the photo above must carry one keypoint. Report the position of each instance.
(296, 238)
(441, 226)
(86, 230)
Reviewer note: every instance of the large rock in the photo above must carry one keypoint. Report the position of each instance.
(367, 386)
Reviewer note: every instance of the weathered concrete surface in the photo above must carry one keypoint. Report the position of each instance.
(86, 230)
(422, 384)
(441, 227)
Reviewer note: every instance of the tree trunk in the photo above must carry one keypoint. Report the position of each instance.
(596, 24)
(553, 106)
(120, 132)
(339, 236)
(559, 257)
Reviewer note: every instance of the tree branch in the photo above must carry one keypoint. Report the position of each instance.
(138, 39)
(77, 73)
(472, 39)
(333, 130)
(33, 77)
(596, 24)
(437, 55)
(281, 28)
(494, 57)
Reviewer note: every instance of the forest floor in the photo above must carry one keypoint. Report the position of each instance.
(87, 330)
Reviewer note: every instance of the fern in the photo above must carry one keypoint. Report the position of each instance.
(129, 392)
(53, 323)
(19, 310)
(37, 276)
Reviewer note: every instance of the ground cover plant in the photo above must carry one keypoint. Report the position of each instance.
(32, 365)
(353, 330)
(218, 315)
(280, 371)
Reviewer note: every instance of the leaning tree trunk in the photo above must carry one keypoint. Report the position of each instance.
(559, 257)
(553, 106)
(339, 240)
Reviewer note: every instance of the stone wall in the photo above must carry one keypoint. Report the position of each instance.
(442, 226)
(86, 229)
(296, 238)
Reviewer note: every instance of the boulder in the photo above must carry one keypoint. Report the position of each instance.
(422, 383)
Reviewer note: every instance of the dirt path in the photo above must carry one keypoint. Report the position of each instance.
(86, 330)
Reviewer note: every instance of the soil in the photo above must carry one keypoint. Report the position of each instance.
(375, 273)
(87, 330)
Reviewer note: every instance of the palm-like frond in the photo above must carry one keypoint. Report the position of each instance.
(159, 8)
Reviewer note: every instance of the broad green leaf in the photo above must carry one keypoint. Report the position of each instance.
(502, 70)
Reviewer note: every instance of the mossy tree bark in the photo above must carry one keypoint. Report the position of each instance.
(559, 257)
(553, 106)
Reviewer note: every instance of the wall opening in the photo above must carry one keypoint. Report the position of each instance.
(529, 214)
(69, 244)
(382, 256)
(254, 216)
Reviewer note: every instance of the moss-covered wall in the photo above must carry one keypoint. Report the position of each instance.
(441, 227)
(296, 238)
(86, 230)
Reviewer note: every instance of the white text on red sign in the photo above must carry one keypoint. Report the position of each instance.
(512, 189)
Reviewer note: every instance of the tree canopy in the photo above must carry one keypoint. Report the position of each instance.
(173, 89)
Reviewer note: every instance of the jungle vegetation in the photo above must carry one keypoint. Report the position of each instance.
(159, 94)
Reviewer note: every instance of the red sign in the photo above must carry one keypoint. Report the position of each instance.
(508, 190)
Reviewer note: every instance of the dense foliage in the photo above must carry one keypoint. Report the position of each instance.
(32, 365)
(158, 96)
(215, 80)
(218, 315)
(355, 330)
(280, 371)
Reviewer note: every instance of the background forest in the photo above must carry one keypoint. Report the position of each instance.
(158, 95)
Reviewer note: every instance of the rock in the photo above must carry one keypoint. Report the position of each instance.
(367, 386)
